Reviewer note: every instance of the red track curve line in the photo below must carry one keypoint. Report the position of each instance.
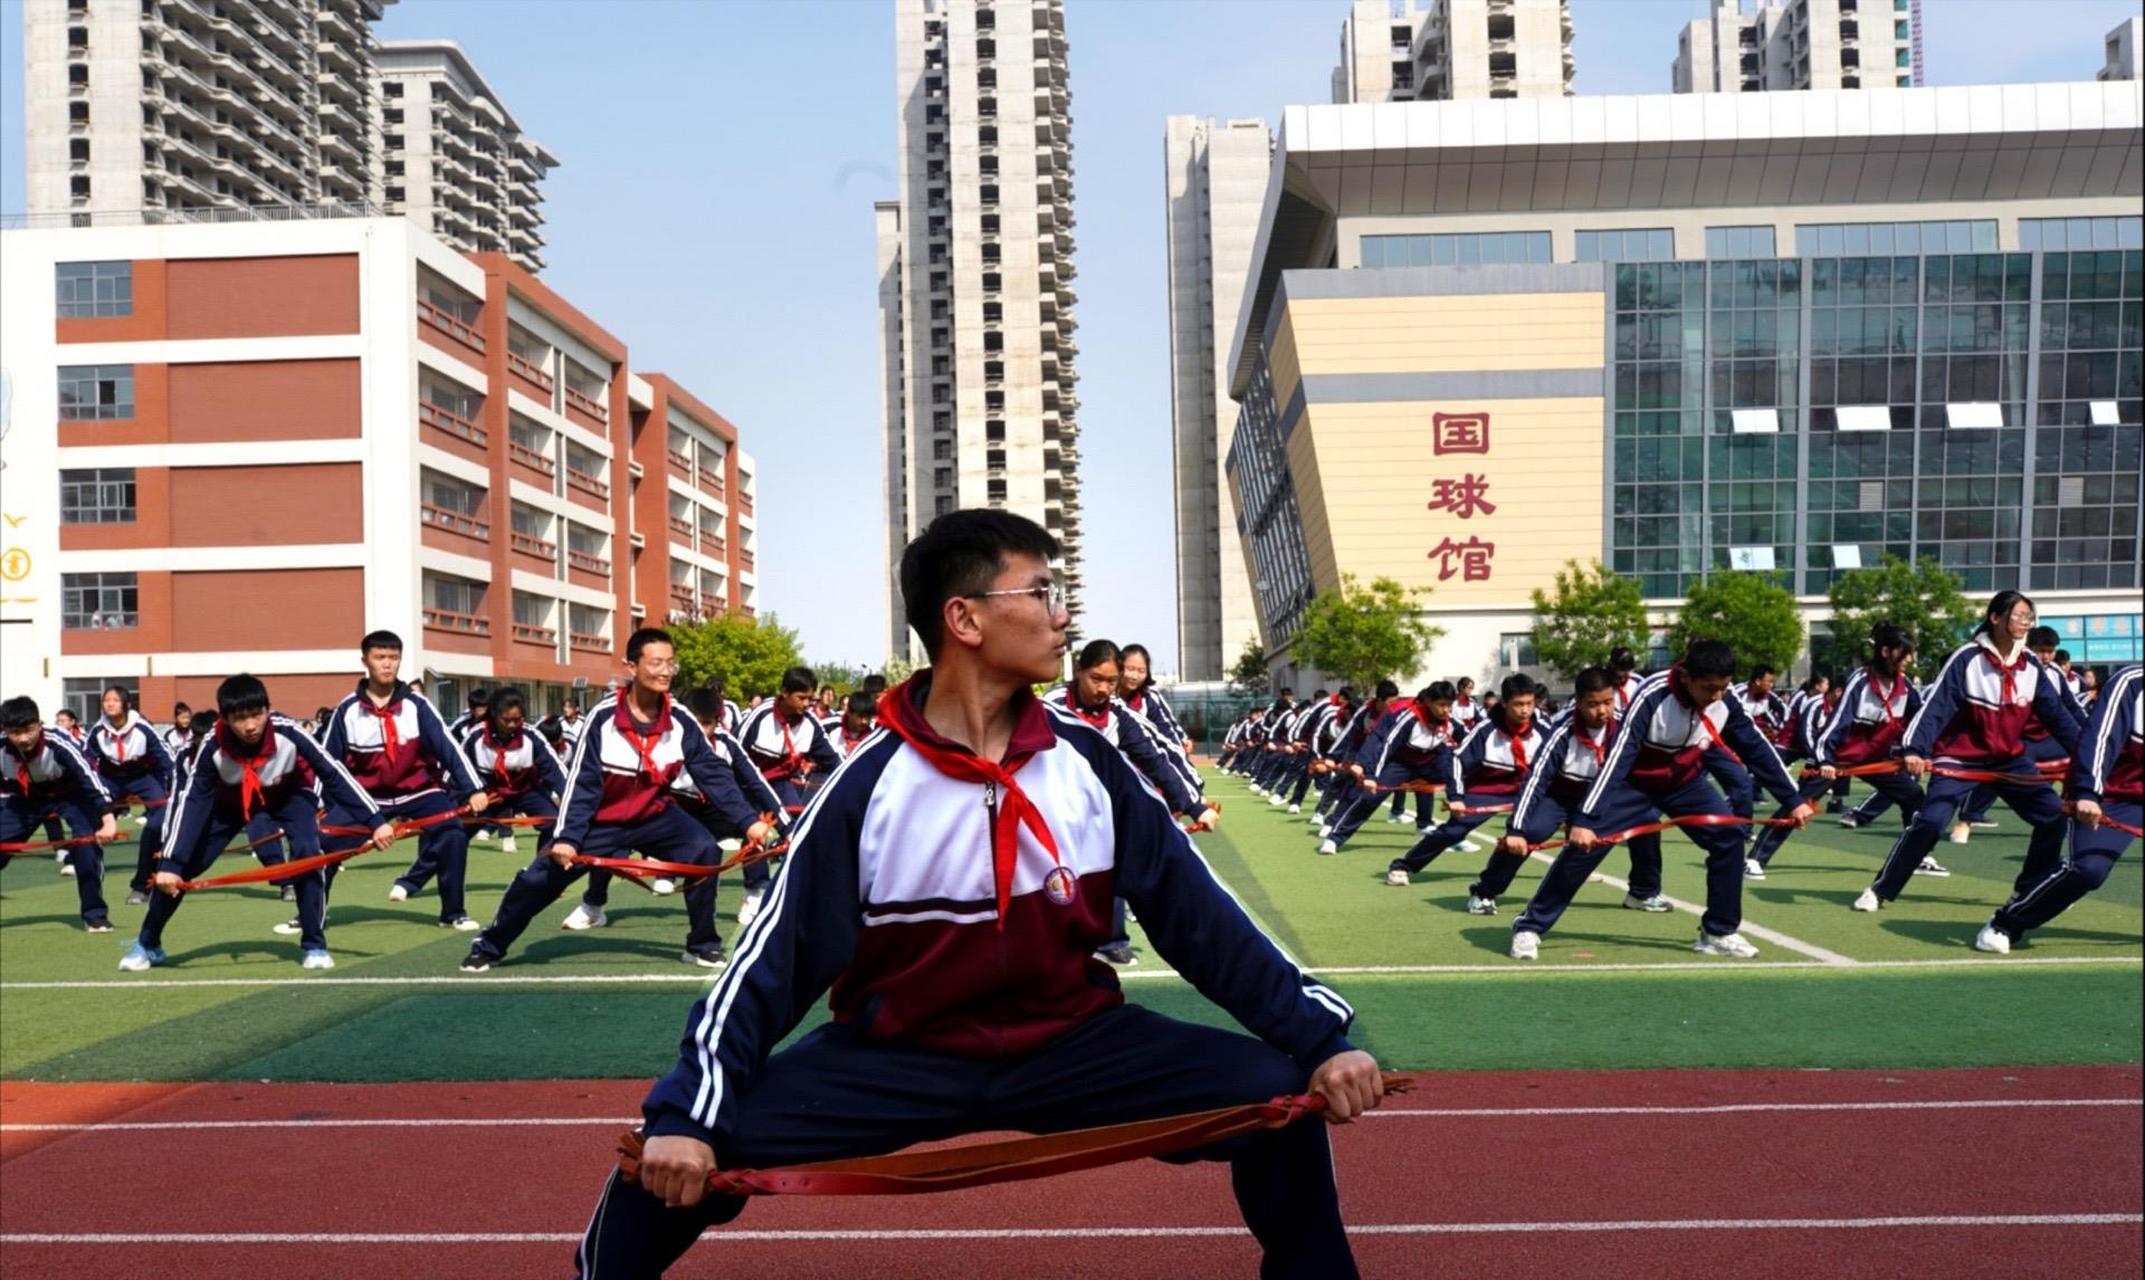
(1095, 1233)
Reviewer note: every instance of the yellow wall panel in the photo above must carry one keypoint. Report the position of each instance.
(1443, 334)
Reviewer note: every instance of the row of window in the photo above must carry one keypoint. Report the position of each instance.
(1812, 240)
(1834, 239)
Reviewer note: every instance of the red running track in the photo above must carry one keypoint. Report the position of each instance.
(1817, 1174)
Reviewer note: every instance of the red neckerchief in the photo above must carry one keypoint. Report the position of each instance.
(1600, 750)
(900, 713)
(849, 744)
(250, 791)
(1899, 686)
(645, 747)
(2008, 670)
(390, 732)
(1136, 700)
(1518, 744)
(789, 744)
(1675, 684)
(22, 762)
(500, 749)
(1100, 719)
(119, 741)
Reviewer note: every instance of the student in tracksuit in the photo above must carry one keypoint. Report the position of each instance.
(1296, 752)
(1142, 698)
(403, 755)
(2107, 780)
(135, 765)
(261, 830)
(1655, 766)
(790, 749)
(958, 951)
(1329, 722)
(2041, 747)
(1341, 787)
(1410, 746)
(1483, 773)
(180, 735)
(65, 722)
(1557, 781)
(255, 762)
(1865, 727)
(519, 772)
(1974, 717)
(620, 799)
(1769, 713)
(1272, 736)
(45, 778)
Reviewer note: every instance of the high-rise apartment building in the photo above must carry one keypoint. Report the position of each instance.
(2122, 51)
(1799, 44)
(133, 108)
(1214, 177)
(1393, 51)
(979, 330)
(453, 157)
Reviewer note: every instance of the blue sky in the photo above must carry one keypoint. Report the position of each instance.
(714, 210)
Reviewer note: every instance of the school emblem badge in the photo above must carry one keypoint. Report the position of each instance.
(1058, 886)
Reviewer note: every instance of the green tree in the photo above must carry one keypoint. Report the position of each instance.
(845, 676)
(1923, 597)
(1753, 614)
(1591, 612)
(1361, 635)
(1249, 673)
(748, 655)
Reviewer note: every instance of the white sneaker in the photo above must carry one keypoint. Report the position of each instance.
(1397, 878)
(1526, 945)
(1753, 869)
(1276, 799)
(398, 892)
(1727, 944)
(1396, 817)
(1931, 867)
(287, 927)
(749, 908)
(1327, 846)
(1993, 939)
(1295, 808)
(584, 916)
(1656, 904)
(1469, 846)
(317, 960)
(662, 886)
(507, 845)
(1961, 833)
(1868, 901)
(1325, 830)
(1481, 906)
(66, 868)
(1850, 821)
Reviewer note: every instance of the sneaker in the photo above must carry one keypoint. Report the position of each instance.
(1477, 905)
(507, 845)
(140, 959)
(584, 916)
(1835, 806)
(1469, 846)
(662, 886)
(1850, 822)
(1396, 817)
(1276, 798)
(1869, 901)
(1993, 939)
(461, 924)
(1327, 846)
(1295, 808)
(1961, 832)
(1983, 824)
(1325, 830)
(1655, 904)
(1931, 867)
(1397, 878)
(288, 927)
(1119, 953)
(398, 892)
(66, 868)
(476, 962)
(705, 959)
(1526, 945)
(1725, 944)
(290, 893)
(137, 897)
(318, 958)
(749, 907)
(1753, 869)
(97, 926)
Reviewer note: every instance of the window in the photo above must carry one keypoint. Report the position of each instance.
(453, 595)
(1516, 649)
(2081, 233)
(1739, 242)
(98, 601)
(451, 495)
(85, 695)
(943, 478)
(95, 289)
(101, 496)
(1635, 244)
(96, 392)
(1835, 239)
(1467, 249)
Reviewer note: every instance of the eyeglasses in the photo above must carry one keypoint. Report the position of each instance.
(1050, 596)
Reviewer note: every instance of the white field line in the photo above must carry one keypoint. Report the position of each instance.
(472, 982)
(1832, 959)
(1383, 1113)
(1088, 1233)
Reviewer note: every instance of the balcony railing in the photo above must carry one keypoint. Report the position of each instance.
(452, 423)
(587, 404)
(712, 482)
(527, 368)
(711, 543)
(744, 503)
(745, 560)
(530, 458)
(681, 598)
(588, 561)
(534, 546)
(450, 326)
(456, 522)
(587, 483)
(533, 634)
(585, 640)
(469, 624)
(683, 529)
(681, 463)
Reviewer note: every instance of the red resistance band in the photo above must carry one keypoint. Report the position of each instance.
(1647, 829)
(1010, 1160)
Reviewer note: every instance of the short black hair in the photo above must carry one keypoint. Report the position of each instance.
(1347, 693)
(1438, 691)
(1288, 693)
(875, 683)
(1592, 680)
(126, 695)
(2000, 606)
(1887, 635)
(205, 721)
(1762, 670)
(479, 697)
(799, 680)
(863, 704)
(181, 709)
(642, 638)
(1468, 681)
(705, 703)
(1709, 658)
(379, 640)
(2043, 638)
(1517, 686)
(1318, 693)
(240, 695)
(65, 711)
(1387, 690)
(509, 699)
(714, 685)
(957, 555)
(1096, 652)
(2062, 656)
(18, 713)
(1622, 661)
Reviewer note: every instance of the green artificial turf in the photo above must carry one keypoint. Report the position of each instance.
(413, 1017)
